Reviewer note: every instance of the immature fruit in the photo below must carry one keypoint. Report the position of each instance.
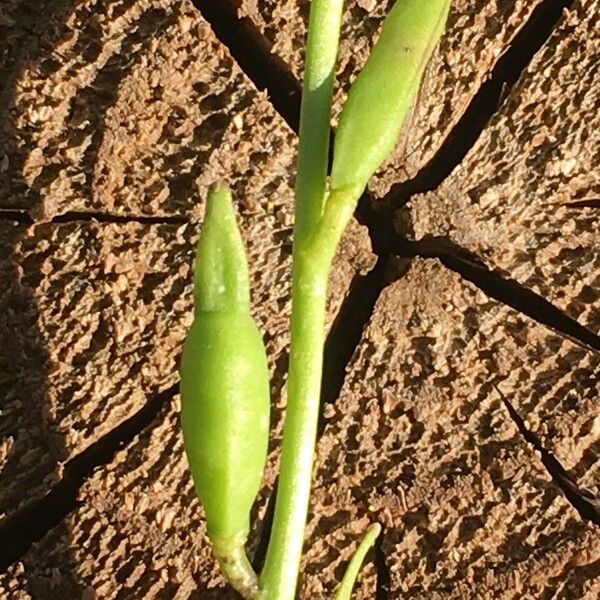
(225, 417)
(224, 382)
(381, 96)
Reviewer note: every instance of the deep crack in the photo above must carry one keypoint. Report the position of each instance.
(16, 216)
(253, 53)
(591, 203)
(383, 570)
(33, 522)
(24, 218)
(347, 329)
(101, 217)
(582, 500)
(263, 533)
(504, 289)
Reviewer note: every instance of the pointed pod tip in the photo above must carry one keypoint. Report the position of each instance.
(219, 203)
(219, 187)
(221, 274)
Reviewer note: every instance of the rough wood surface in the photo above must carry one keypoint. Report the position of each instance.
(137, 534)
(419, 440)
(479, 32)
(94, 314)
(509, 201)
(130, 108)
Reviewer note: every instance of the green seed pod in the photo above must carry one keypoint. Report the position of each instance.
(382, 95)
(224, 384)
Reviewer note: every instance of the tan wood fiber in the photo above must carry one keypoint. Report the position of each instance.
(479, 32)
(94, 313)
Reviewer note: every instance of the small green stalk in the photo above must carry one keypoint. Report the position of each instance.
(278, 580)
(345, 590)
(315, 115)
(369, 126)
(236, 567)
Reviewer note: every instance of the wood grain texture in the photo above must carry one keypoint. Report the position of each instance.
(94, 313)
(421, 442)
(419, 439)
(508, 202)
(478, 33)
(131, 108)
(137, 534)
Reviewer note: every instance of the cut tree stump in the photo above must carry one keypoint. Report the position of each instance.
(116, 117)
(96, 304)
(479, 33)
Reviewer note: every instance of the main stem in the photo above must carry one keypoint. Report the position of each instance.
(279, 578)
(315, 115)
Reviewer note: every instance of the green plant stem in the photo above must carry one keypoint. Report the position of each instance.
(237, 569)
(312, 263)
(278, 580)
(315, 115)
(345, 590)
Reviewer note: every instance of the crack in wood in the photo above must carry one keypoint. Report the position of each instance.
(484, 104)
(591, 203)
(383, 570)
(23, 217)
(252, 52)
(16, 216)
(582, 500)
(502, 288)
(263, 535)
(102, 217)
(33, 522)
(347, 329)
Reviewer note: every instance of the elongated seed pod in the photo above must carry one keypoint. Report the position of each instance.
(381, 96)
(224, 384)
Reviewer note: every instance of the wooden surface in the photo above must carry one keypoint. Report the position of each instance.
(126, 111)
(96, 311)
(478, 33)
